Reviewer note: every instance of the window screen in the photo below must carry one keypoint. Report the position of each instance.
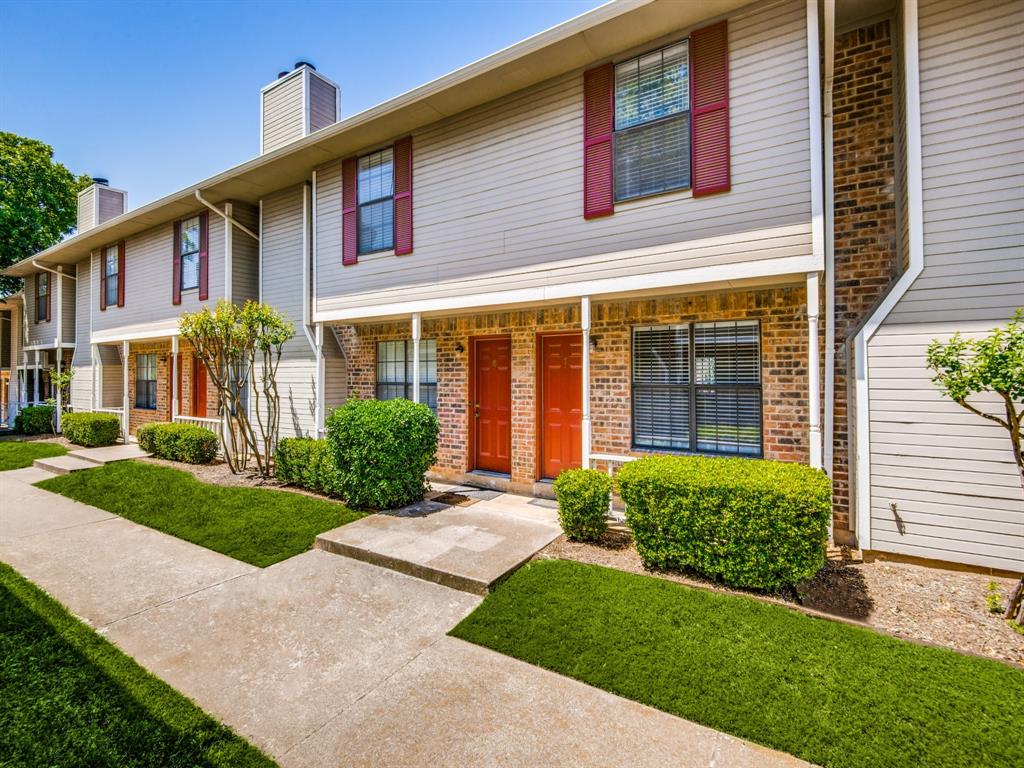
(376, 189)
(394, 371)
(698, 387)
(111, 275)
(652, 122)
(145, 381)
(190, 253)
(42, 295)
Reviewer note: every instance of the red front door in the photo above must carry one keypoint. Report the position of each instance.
(492, 404)
(561, 403)
(198, 387)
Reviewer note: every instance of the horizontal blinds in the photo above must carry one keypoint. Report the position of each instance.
(652, 86)
(727, 375)
(653, 157)
(661, 392)
(394, 370)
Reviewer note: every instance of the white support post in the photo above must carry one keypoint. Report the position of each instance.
(59, 395)
(23, 381)
(585, 325)
(97, 376)
(126, 427)
(175, 362)
(813, 372)
(229, 233)
(35, 379)
(416, 357)
(321, 380)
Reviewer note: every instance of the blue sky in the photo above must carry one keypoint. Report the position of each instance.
(156, 96)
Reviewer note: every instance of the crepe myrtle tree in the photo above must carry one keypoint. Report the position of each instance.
(241, 350)
(965, 368)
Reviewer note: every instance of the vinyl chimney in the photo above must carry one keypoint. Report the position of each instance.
(98, 203)
(296, 104)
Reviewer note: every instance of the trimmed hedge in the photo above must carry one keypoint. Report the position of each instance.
(35, 420)
(189, 443)
(307, 463)
(746, 522)
(583, 496)
(91, 429)
(383, 449)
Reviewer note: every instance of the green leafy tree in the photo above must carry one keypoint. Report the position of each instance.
(37, 201)
(241, 350)
(965, 368)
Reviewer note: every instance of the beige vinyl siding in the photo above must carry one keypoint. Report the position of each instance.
(149, 275)
(245, 266)
(111, 203)
(86, 209)
(69, 290)
(82, 383)
(282, 246)
(323, 105)
(335, 373)
(951, 474)
(41, 333)
(498, 201)
(283, 113)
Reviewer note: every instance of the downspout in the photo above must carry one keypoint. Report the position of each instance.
(306, 259)
(57, 342)
(829, 33)
(818, 235)
(915, 232)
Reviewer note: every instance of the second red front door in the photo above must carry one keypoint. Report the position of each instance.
(561, 403)
(492, 404)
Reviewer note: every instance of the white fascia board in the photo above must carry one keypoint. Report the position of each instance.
(158, 330)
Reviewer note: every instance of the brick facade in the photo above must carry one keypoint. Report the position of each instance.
(866, 257)
(781, 311)
(162, 349)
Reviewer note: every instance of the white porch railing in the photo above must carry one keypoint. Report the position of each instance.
(214, 425)
(612, 460)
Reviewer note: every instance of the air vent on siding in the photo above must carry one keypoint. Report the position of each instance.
(98, 203)
(296, 104)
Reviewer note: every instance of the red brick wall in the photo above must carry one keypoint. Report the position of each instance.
(866, 257)
(781, 312)
(162, 349)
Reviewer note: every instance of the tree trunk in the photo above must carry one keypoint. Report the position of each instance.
(1015, 608)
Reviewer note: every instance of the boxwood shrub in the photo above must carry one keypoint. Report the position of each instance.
(189, 443)
(34, 420)
(583, 496)
(91, 429)
(383, 450)
(307, 463)
(745, 522)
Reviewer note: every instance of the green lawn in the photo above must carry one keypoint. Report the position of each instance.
(70, 698)
(256, 525)
(15, 454)
(827, 692)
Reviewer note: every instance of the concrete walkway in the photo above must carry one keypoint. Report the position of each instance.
(89, 458)
(324, 660)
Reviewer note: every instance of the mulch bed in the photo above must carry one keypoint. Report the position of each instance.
(916, 602)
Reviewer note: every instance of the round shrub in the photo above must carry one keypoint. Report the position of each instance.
(34, 420)
(91, 429)
(746, 522)
(189, 443)
(383, 449)
(583, 496)
(307, 463)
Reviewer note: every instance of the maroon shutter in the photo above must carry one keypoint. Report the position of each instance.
(598, 125)
(103, 278)
(120, 274)
(349, 201)
(709, 51)
(176, 261)
(403, 196)
(204, 256)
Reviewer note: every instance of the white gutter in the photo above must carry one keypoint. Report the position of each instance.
(829, 34)
(226, 217)
(915, 226)
(306, 259)
(817, 234)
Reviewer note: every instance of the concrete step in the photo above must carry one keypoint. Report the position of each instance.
(62, 465)
(109, 453)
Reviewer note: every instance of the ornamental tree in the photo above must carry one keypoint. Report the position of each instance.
(965, 368)
(241, 349)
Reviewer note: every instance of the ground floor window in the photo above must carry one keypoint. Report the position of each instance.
(145, 381)
(394, 371)
(697, 387)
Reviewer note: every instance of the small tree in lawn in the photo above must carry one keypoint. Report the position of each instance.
(241, 347)
(966, 367)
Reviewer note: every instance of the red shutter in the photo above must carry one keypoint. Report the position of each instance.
(349, 201)
(103, 278)
(709, 52)
(403, 196)
(176, 262)
(598, 125)
(120, 274)
(204, 256)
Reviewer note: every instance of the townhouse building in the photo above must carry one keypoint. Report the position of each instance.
(723, 227)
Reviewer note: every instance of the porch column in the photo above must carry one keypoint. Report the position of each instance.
(321, 382)
(35, 379)
(813, 374)
(124, 390)
(23, 381)
(585, 325)
(174, 377)
(97, 376)
(416, 357)
(59, 395)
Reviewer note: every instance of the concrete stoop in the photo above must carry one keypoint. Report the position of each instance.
(63, 465)
(89, 458)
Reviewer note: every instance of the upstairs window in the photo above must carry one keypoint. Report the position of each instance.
(394, 371)
(698, 387)
(189, 254)
(145, 382)
(376, 187)
(111, 277)
(42, 297)
(652, 123)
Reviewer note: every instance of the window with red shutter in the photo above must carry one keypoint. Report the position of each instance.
(120, 274)
(403, 196)
(711, 110)
(349, 212)
(598, 125)
(176, 265)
